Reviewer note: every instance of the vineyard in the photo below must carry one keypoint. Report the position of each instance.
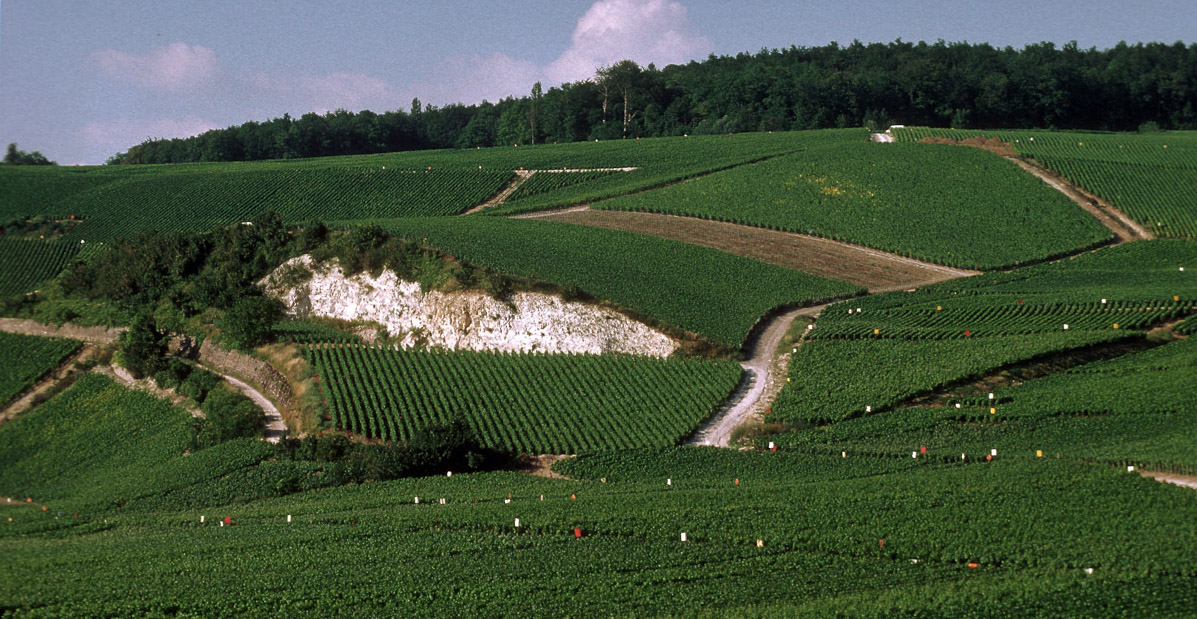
(714, 294)
(875, 352)
(1149, 176)
(25, 359)
(525, 403)
(950, 206)
(958, 450)
(25, 264)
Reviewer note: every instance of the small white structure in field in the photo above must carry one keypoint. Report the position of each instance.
(914, 454)
(201, 517)
(449, 474)
(990, 395)
(517, 523)
(506, 501)
(669, 481)
(1130, 469)
(868, 409)
(683, 537)
(1065, 327)
(1103, 301)
(442, 501)
(417, 500)
(957, 405)
(288, 517)
(993, 452)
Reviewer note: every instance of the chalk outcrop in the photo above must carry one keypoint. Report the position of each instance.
(465, 320)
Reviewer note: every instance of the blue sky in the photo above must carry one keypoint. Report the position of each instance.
(80, 81)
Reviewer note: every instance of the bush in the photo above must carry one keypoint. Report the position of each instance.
(198, 384)
(251, 321)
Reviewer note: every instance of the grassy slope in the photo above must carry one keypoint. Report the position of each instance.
(921, 341)
(1149, 176)
(934, 203)
(25, 359)
(717, 295)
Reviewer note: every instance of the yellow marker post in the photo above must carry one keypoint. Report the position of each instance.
(992, 410)
(1115, 325)
(1038, 453)
(939, 308)
(876, 331)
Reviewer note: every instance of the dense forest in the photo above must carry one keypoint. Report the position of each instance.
(961, 85)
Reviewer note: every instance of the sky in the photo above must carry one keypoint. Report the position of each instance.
(81, 81)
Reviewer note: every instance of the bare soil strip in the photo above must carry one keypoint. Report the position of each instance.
(1123, 227)
(66, 370)
(1188, 481)
(876, 270)
(94, 335)
(221, 360)
(522, 177)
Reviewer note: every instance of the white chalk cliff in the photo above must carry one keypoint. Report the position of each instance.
(466, 320)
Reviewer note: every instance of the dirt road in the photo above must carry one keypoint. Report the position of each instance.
(274, 430)
(747, 398)
(1123, 227)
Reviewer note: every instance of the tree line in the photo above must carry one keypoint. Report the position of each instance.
(961, 85)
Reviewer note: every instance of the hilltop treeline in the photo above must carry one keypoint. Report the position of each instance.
(943, 84)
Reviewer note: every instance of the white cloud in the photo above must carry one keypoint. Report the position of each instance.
(176, 67)
(645, 31)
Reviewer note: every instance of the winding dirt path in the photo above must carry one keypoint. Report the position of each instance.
(275, 428)
(760, 372)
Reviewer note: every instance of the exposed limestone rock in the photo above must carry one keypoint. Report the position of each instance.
(467, 320)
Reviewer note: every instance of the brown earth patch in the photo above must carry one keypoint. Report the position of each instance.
(876, 270)
(993, 145)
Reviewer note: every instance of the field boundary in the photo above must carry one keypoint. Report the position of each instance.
(522, 176)
(802, 252)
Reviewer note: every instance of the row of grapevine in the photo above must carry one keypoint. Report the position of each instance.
(717, 295)
(24, 359)
(547, 182)
(24, 264)
(1148, 176)
(526, 403)
(199, 201)
(877, 351)
(958, 207)
(1137, 408)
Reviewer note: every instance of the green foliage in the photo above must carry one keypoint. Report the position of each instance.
(714, 294)
(228, 415)
(25, 264)
(523, 402)
(1148, 175)
(948, 205)
(16, 156)
(250, 322)
(24, 359)
(198, 383)
(142, 348)
(881, 350)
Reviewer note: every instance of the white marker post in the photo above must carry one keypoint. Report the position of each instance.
(683, 537)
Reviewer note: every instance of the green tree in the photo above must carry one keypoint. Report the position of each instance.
(250, 321)
(16, 156)
(142, 348)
